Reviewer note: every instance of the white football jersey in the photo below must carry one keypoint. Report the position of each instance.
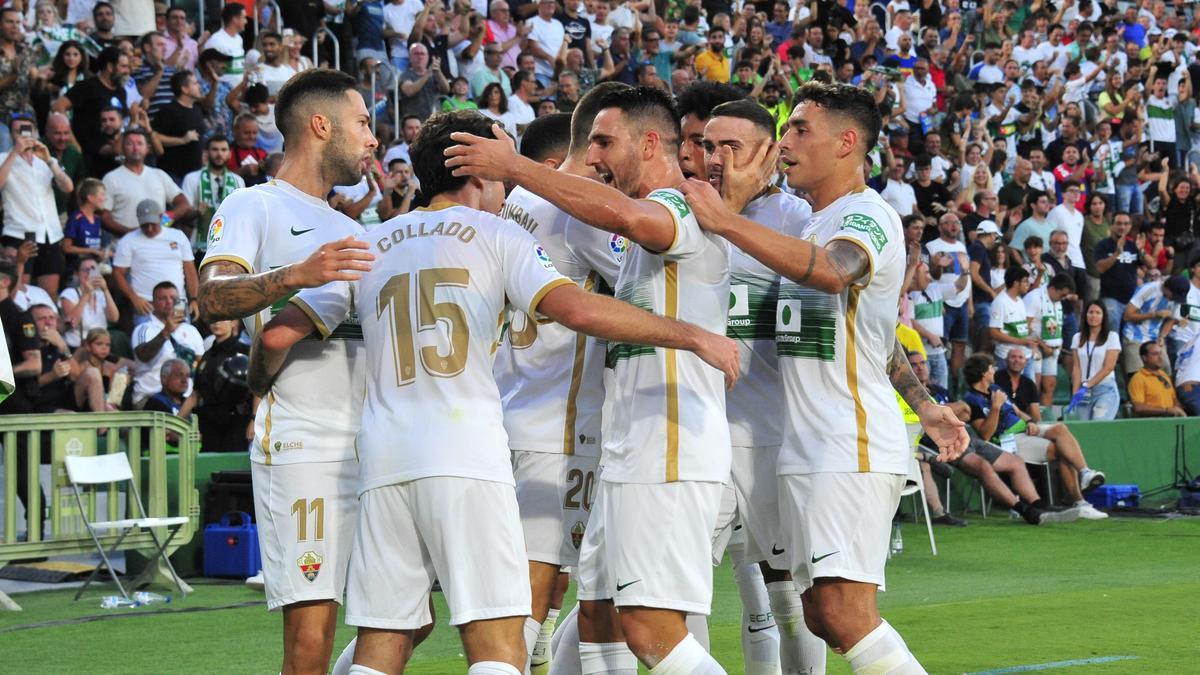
(668, 406)
(311, 413)
(834, 350)
(550, 377)
(755, 405)
(430, 309)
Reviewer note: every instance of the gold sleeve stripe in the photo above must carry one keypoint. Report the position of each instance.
(537, 298)
(860, 412)
(589, 284)
(672, 310)
(240, 262)
(312, 316)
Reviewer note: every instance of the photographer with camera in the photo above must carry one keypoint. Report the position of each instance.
(164, 336)
(27, 174)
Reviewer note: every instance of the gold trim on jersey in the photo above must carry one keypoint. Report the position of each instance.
(312, 316)
(589, 284)
(537, 298)
(860, 412)
(675, 220)
(671, 270)
(870, 258)
(266, 439)
(228, 258)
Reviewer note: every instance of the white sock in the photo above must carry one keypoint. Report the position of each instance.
(492, 668)
(688, 658)
(697, 624)
(532, 629)
(345, 659)
(565, 645)
(760, 636)
(542, 653)
(611, 658)
(883, 652)
(799, 650)
(356, 669)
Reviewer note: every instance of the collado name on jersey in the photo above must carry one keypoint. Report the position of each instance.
(463, 233)
(867, 225)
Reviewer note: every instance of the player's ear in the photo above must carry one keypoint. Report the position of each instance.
(847, 142)
(650, 140)
(321, 126)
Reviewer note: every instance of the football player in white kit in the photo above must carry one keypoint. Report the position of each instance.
(436, 484)
(266, 243)
(844, 453)
(551, 378)
(666, 443)
(738, 134)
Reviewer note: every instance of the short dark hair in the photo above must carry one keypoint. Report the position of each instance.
(519, 78)
(148, 38)
(107, 56)
(716, 29)
(1144, 348)
(319, 85)
(647, 106)
(585, 113)
(217, 138)
(1014, 275)
(1033, 241)
(853, 103)
(179, 80)
(700, 97)
(748, 110)
(1034, 195)
(1062, 281)
(547, 136)
(230, 12)
(163, 284)
(270, 34)
(428, 150)
(8, 268)
(100, 4)
(482, 101)
(976, 366)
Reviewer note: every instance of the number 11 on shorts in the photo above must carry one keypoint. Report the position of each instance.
(302, 509)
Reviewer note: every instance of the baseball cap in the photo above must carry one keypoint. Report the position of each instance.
(987, 227)
(148, 211)
(1177, 285)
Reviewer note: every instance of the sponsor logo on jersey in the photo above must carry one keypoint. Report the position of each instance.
(673, 201)
(867, 225)
(297, 233)
(310, 565)
(577, 534)
(584, 439)
(280, 446)
(543, 257)
(618, 245)
(215, 230)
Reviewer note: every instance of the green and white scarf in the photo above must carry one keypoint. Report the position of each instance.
(209, 201)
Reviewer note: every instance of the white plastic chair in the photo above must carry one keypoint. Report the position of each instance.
(914, 487)
(114, 468)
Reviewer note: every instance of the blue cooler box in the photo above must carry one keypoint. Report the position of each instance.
(1109, 496)
(232, 550)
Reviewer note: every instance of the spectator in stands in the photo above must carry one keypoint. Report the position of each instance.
(274, 69)
(132, 182)
(980, 252)
(713, 64)
(82, 234)
(1037, 206)
(209, 186)
(1117, 261)
(949, 263)
(933, 199)
(24, 351)
(1149, 317)
(1044, 307)
(1067, 217)
(520, 104)
(928, 321)
(179, 124)
(30, 213)
(995, 418)
(175, 375)
(218, 116)
(399, 189)
(229, 42)
(410, 126)
(103, 378)
(181, 50)
(56, 383)
(225, 406)
(17, 67)
(63, 148)
(1096, 348)
(422, 83)
(165, 335)
(151, 256)
(546, 37)
(1009, 325)
(898, 192)
(154, 77)
(1150, 389)
(491, 71)
(87, 303)
(567, 93)
(245, 157)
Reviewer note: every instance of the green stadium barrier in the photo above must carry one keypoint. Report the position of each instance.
(76, 434)
(1140, 451)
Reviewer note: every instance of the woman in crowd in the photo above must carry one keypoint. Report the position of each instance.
(103, 378)
(1096, 349)
(87, 303)
(493, 104)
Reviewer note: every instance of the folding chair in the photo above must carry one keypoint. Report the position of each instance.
(914, 486)
(114, 468)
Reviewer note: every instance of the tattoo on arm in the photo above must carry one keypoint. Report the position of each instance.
(812, 263)
(849, 262)
(903, 379)
(261, 374)
(228, 292)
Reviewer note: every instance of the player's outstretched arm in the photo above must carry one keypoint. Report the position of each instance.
(830, 269)
(590, 201)
(272, 344)
(939, 421)
(227, 291)
(605, 317)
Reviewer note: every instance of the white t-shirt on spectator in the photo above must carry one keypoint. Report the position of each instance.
(124, 190)
(93, 315)
(154, 260)
(1027, 57)
(146, 380)
(892, 38)
(401, 18)
(1008, 314)
(520, 111)
(900, 195)
(1042, 180)
(275, 76)
(1071, 222)
(29, 200)
(549, 36)
(918, 97)
(31, 295)
(1091, 356)
(951, 296)
(231, 46)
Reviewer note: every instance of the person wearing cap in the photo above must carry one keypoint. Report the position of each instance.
(1149, 317)
(151, 255)
(979, 251)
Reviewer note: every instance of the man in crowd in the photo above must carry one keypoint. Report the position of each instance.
(179, 125)
(228, 41)
(87, 99)
(150, 256)
(1150, 389)
(164, 335)
(132, 182)
(208, 187)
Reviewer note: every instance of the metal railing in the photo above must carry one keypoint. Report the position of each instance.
(337, 48)
(76, 434)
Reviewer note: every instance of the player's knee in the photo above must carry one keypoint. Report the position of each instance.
(640, 636)
(310, 640)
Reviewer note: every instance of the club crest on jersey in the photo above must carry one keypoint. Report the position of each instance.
(867, 225)
(215, 230)
(543, 257)
(310, 565)
(28, 330)
(577, 534)
(618, 245)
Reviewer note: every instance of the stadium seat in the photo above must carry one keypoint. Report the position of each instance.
(915, 487)
(96, 473)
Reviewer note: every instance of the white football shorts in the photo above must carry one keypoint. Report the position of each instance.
(555, 494)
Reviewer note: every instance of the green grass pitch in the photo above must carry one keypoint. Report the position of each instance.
(1001, 594)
